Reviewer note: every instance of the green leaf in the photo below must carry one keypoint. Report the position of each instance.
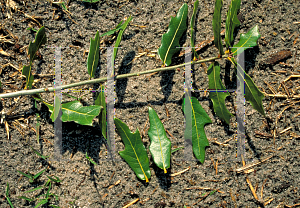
(192, 23)
(26, 71)
(175, 150)
(247, 40)
(37, 188)
(170, 40)
(91, 1)
(57, 106)
(57, 180)
(75, 111)
(119, 38)
(26, 175)
(102, 116)
(160, 146)
(93, 57)
(39, 154)
(89, 159)
(199, 120)
(252, 93)
(48, 191)
(44, 201)
(33, 47)
(38, 174)
(135, 153)
(218, 98)
(217, 26)
(118, 27)
(7, 196)
(232, 21)
(26, 198)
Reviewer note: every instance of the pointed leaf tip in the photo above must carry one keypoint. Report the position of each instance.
(135, 153)
(170, 40)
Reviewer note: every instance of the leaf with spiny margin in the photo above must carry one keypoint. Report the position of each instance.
(247, 40)
(102, 116)
(170, 40)
(252, 94)
(160, 146)
(75, 111)
(135, 153)
(192, 23)
(232, 21)
(93, 57)
(217, 26)
(199, 120)
(218, 98)
(33, 47)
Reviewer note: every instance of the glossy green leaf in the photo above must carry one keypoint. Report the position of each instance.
(119, 38)
(102, 116)
(93, 57)
(217, 26)
(135, 153)
(247, 40)
(199, 120)
(33, 47)
(75, 111)
(218, 98)
(232, 21)
(252, 94)
(118, 27)
(196, 4)
(170, 40)
(160, 146)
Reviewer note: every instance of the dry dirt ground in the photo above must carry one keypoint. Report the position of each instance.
(275, 181)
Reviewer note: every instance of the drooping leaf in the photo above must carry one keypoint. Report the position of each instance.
(93, 57)
(199, 120)
(118, 27)
(247, 40)
(75, 111)
(135, 153)
(217, 26)
(160, 146)
(170, 40)
(102, 116)
(196, 4)
(119, 38)
(232, 21)
(218, 98)
(33, 47)
(252, 94)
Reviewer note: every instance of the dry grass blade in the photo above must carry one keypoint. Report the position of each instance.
(252, 164)
(180, 172)
(131, 203)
